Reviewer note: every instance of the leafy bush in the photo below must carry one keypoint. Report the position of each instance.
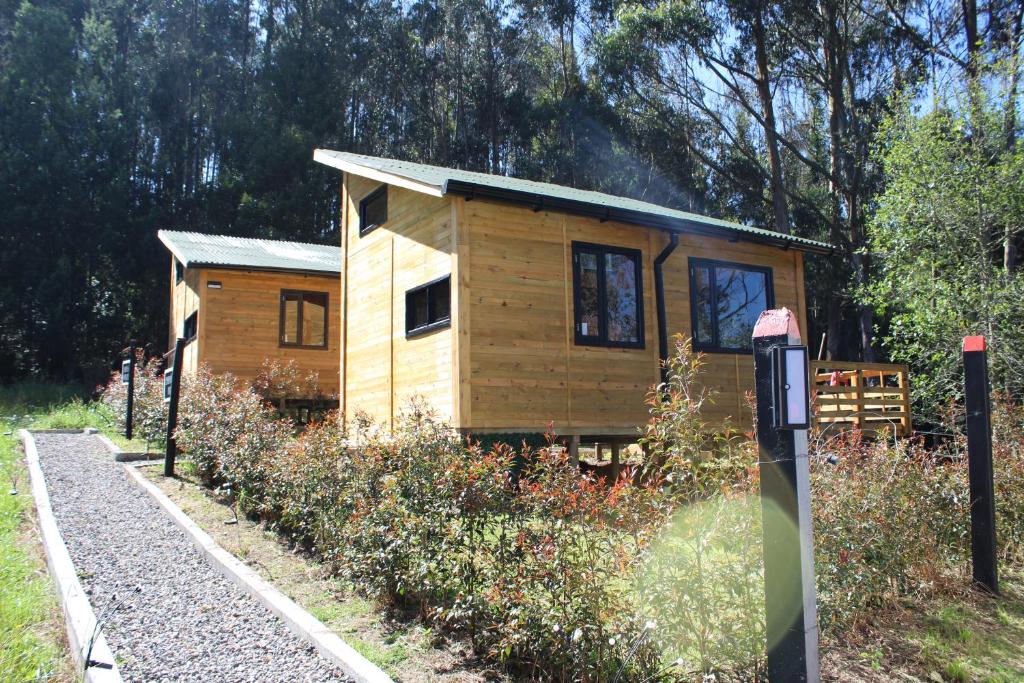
(231, 435)
(279, 380)
(889, 520)
(149, 420)
(560, 576)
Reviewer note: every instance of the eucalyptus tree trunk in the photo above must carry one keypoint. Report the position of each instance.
(771, 135)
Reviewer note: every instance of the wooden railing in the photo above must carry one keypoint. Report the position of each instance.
(873, 397)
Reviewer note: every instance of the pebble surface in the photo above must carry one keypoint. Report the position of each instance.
(167, 614)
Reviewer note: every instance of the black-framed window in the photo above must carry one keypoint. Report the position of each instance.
(179, 271)
(608, 295)
(373, 210)
(191, 327)
(725, 302)
(303, 319)
(428, 307)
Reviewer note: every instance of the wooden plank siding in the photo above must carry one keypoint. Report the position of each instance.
(509, 361)
(525, 369)
(239, 324)
(382, 370)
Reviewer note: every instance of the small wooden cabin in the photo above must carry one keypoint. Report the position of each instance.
(512, 304)
(240, 301)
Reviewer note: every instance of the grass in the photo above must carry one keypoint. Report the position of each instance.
(32, 644)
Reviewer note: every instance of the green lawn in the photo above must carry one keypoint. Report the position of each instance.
(32, 645)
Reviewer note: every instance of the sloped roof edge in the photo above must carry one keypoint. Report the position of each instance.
(195, 249)
(438, 181)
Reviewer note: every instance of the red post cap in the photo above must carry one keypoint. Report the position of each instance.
(974, 343)
(777, 322)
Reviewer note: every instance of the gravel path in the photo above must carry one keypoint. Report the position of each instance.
(187, 623)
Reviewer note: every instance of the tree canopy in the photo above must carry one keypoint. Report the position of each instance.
(121, 117)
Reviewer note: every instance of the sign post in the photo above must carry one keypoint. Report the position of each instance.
(172, 388)
(783, 415)
(979, 464)
(128, 368)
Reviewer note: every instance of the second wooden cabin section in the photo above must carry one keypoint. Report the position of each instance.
(512, 306)
(239, 302)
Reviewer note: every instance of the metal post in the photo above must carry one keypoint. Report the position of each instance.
(790, 606)
(130, 408)
(172, 409)
(979, 464)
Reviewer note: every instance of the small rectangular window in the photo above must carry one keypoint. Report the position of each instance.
(191, 327)
(179, 271)
(608, 298)
(725, 302)
(428, 307)
(373, 210)
(303, 319)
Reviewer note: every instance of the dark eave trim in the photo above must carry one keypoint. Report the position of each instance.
(539, 202)
(263, 269)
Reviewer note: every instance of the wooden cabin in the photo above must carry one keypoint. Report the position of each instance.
(240, 301)
(511, 305)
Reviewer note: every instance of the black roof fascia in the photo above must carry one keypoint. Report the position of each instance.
(540, 202)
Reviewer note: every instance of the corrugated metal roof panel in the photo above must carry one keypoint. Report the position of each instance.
(197, 249)
(443, 180)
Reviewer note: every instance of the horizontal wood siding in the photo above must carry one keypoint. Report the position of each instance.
(383, 369)
(185, 299)
(525, 369)
(240, 323)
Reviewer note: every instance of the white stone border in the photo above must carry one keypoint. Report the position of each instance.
(298, 620)
(126, 456)
(79, 618)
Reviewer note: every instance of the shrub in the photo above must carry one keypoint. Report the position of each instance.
(230, 434)
(889, 520)
(277, 381)
(149, 420)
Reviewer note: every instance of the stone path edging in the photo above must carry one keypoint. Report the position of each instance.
(298, 620)
(79, 618)
(126, 456)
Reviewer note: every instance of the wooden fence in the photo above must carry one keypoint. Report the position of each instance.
(873, 397)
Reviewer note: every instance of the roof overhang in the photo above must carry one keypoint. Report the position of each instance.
(602, 212)
(328, 158)
(642, 218)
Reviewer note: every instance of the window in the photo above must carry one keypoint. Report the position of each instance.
(608, 298)
(190, 327)
(373, 210)
(179, 271)
(725, 302)
(303, 319)
(428, 307)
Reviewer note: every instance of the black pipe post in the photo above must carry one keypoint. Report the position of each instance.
(130, 408)
(659, 297)
(790, 603)
(172, 409)
(979, 464)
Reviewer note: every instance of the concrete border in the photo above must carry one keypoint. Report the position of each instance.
(127, 456)
(298, 620)
(79, 619)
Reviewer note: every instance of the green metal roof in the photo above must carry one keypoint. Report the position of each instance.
(439, 181)
(222, 251)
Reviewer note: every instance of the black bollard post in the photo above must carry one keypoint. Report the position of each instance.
(172, 386)
(129, 417)
(979, 464)
(783, 413)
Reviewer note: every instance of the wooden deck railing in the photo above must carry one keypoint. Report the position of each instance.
(873, 397)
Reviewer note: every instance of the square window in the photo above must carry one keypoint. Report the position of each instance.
(373, 210)
(608, 300)
(428, 307)
(303, 319)
(725, 301)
